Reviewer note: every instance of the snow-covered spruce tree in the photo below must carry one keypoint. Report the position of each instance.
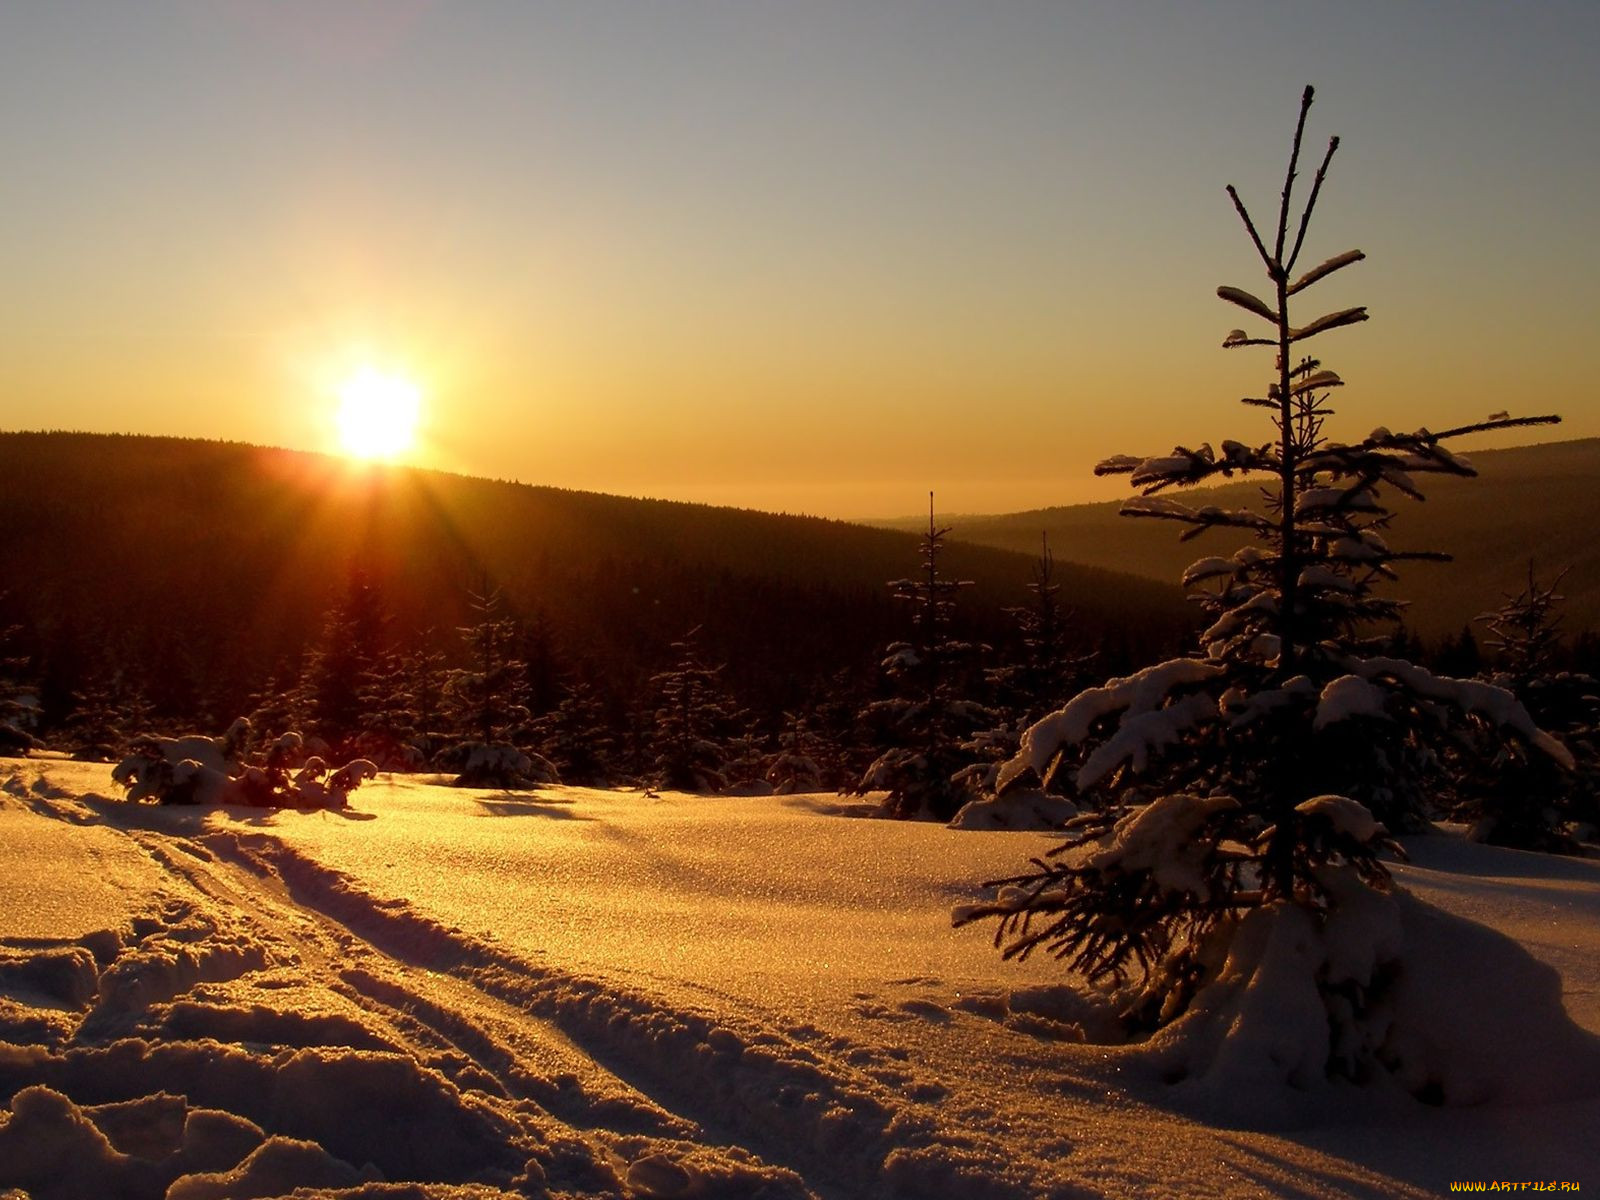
(354, 633)
(796, 766)
(1522, 800)
(107, 711)
(488, 695)
(576, 736)
(926, 727)
(835, 718)
(694, 722)
(1036, 679)
(19, 703)
(281, 707)
(488, 698)
(748, 751)
(1524, 637)
(427, 683)
(1237, 780)
(390, 722)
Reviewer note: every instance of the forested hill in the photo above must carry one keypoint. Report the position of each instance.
(209, 567)
(1533, 502)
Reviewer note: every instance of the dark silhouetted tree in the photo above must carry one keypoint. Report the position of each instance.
(924, 728)
(390, 723)
(108, 712)
(354, 635)
(489, 696)
(19, 702)
(281, 707)
(577, 737)
(488, 699)
(1459, 656)
(1521, 800)
(1049, 666)
(694, 721)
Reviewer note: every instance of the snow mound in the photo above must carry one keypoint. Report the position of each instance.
(1020, 808)
(497, 765)
(278, 1166)
(1470, 1018)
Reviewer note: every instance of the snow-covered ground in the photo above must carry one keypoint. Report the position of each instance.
(614, 994)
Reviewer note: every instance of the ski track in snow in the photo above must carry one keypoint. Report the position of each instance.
(201, 1003)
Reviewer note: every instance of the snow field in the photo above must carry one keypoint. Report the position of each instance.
(448, 993)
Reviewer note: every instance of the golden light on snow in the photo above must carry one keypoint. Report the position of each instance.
(378, 414)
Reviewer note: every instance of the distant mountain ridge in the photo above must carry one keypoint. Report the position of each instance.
(210, 566)
(1538, 502)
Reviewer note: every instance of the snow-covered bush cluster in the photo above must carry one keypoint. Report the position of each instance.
(1262, 772)
(197, 769)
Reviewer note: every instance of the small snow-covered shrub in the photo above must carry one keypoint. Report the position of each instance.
(796, 766)
(1256, 774)
(1020, 808)
(497, 765)
(316, 785)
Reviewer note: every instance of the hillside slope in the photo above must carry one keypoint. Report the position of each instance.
(1533, 502)
(209, 566)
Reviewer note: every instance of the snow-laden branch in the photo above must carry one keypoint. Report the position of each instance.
(1349, 696)
(1141, 737)
(1248, 302)
(1333, 320)
(1323, 269)
(1494, 704)
(1204, 517)
(1184, 466)
(1145, 691)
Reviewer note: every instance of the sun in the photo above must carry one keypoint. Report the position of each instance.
(378, 414)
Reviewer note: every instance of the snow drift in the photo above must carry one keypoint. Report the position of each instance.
(607, 994)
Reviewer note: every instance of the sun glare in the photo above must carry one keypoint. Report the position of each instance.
(378, 414)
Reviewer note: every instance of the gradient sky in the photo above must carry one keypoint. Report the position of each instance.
(817, 257)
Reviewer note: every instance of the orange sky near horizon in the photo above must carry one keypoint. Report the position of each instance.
(814, 258)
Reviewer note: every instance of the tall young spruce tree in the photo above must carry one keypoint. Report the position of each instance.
(1236, 782)
(488, 699)
(927, 724)
(1047, 664)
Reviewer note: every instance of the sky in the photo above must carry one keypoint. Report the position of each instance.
(809, 257)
